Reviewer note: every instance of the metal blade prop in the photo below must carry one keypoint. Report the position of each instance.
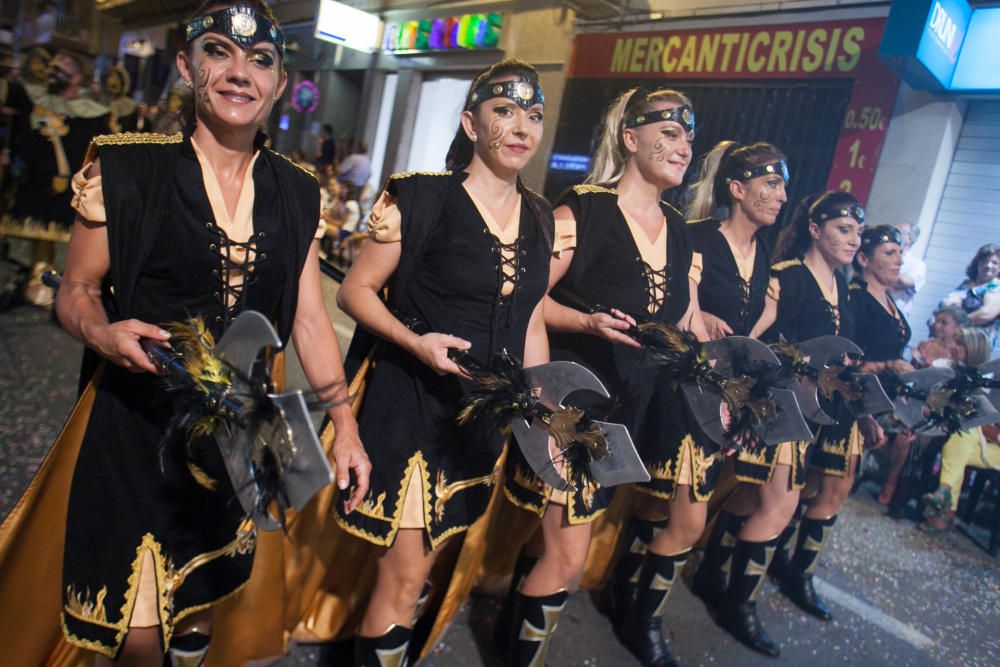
(557, 380)
(817, 368)
(770, 413)
(685, 361)
(504, 395)
(271, 451)
(942, 400)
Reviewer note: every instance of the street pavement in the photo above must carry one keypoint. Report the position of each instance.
(899, 597)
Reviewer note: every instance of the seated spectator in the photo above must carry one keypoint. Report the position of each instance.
(979, 295)
(943, 347)
(356, 167)
(978, 447)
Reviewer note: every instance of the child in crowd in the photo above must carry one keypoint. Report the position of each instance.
(943, 347)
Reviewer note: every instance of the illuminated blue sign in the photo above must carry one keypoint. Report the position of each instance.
(944, 45)
(977, 69)
(568, 162)
(942, 38)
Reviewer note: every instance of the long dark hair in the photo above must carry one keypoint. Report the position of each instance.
(727, 158)
(794, 240)
(462, 148)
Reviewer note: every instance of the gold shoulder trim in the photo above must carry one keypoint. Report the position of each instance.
(292, 162)
(590, 188)
(854, 285)
(695, 222)
(125, 138)
(781, 266)
(129, 138)
(407, 174)
(673, 208)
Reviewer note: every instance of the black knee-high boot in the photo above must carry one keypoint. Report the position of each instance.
(738, 613)
(797, 583)
(505, 619)
(617, 597)
(388, 650)
(711, 578)
(535, 621)
(187, 650)
(642, 630)
(786, 545)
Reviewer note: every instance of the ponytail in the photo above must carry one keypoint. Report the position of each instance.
(608, 164)
(727, 161)
(794, 240)
(702, 202)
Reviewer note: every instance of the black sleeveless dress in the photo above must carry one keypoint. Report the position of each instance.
(129, 494)
(608, 269)
(453, 279)
(884, 336)
(805, 313)
(725, 293)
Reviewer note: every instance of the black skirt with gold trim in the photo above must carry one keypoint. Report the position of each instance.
(456, 465)
(525, 490)
(835, 446)
(131, 495)
(673, 449)
(755, 465)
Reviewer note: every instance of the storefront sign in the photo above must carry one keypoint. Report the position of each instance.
(944, 45)
(923, 40)
(471, 31)
(807, 51)
(347, 26)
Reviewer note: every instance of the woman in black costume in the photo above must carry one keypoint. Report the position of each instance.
(885, 334)
(808, 297)
(466, 255)
(208, 223)
(619, 245)
(748, 183)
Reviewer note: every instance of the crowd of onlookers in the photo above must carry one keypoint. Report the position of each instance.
(963, 330)
(344, 171)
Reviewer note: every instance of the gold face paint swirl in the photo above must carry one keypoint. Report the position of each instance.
(496, 134)
(659, 149)
(201, 84)
(762, 201)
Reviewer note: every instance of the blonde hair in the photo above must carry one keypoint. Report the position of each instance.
(702, 192)
(610, 158)
(977, 345)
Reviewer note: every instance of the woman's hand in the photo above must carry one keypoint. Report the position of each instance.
(717, 327)
(349, 456)
(122, 343)
(432, 349)
(872, 432)
(610, 327)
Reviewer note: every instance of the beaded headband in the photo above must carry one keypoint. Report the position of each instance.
(822, 214)
(682, 115)
(521, 91)
(780, 168)
(241, 24)
(876, 236)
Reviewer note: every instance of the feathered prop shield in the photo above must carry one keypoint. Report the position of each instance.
(817, 367)
(504, 396)
(943, 401)
(271, 452)
(754, 407)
